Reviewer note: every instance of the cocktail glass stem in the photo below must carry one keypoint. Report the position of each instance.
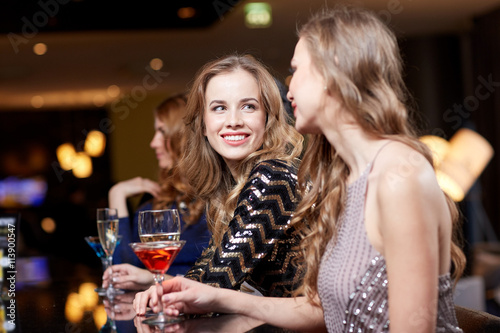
(159, 289)
(111, 290)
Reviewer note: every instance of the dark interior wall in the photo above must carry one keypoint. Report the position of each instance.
(485, 51)
(453, 79)
(433, 73)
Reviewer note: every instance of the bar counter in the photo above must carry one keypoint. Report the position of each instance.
(58, 296)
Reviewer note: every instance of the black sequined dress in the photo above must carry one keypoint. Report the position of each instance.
(258, 246)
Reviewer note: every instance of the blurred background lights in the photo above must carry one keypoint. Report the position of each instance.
(100, 316)
(186, 12)
(258, 15)
(88, 296)
(438, 146)
(99, 100)
(113, 90)
(156, 64)
(40, 48)
(82, 165)
(74, 310)
(65, 155)
(37, 101)
(95, 143)
(48, 225)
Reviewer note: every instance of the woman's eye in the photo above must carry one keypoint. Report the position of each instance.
(249, 107)
(218, 108)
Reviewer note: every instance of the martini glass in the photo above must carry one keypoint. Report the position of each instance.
(95, 244)
(159, 225)
(107, 227)
(157, 257)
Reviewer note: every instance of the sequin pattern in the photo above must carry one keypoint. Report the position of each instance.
(258, 245)
(352, 279)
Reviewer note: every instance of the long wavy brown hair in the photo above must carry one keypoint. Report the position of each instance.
(359, 58)
(205, 169)
(174, 187)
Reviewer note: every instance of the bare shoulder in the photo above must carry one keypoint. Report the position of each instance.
(400, 169)
(405, 184)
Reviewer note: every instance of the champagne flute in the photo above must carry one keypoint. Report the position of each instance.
(157, 257)
(107, 227)
(159, 225)
(95, 244)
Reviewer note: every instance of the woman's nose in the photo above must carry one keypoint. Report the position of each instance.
(234, 119)
(154, 141)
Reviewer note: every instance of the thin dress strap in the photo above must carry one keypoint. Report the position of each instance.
(376, 155)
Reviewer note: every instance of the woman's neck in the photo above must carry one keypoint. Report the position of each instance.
(356, 147)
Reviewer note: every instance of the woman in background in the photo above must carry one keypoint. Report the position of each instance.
(172, 191)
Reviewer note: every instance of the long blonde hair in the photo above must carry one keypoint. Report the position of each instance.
(205, 169)
(174, 188)
(359, 58)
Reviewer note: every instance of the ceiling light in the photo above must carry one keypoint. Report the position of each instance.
(40, 48)
(113, 90)
(95, 143)
(186, 12)
(82, 165)
(258, 15)
(99, 100)
(65, 155)
(156, 64)
(37, 101)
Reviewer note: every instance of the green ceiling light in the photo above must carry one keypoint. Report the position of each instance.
(258, 15)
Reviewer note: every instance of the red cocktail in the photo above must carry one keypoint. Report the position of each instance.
(157, 257)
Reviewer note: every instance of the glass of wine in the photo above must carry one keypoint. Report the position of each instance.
(107, 227)
(159, 225)
(95, 244)
(157, 257)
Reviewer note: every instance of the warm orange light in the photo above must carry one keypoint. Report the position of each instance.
(156, 64)
(48, 225)
(113, 90)
(438, 146)
(37, 101)
(40, 48)
(460, 162)
(73, 310)
(88, 296)
(95, 143)
(186, 12)
(100, 316)
(65, 155)
(82, 165)
(468, 156)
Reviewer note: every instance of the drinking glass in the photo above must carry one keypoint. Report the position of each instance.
(95, 244)
(159, 225)
(107, 227)
(157, 257)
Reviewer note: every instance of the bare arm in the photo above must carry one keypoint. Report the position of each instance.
(187, 296)
(410, 216)
(118, 194)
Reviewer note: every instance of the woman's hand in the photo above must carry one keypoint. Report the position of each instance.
(129, 277)
(180, 295)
